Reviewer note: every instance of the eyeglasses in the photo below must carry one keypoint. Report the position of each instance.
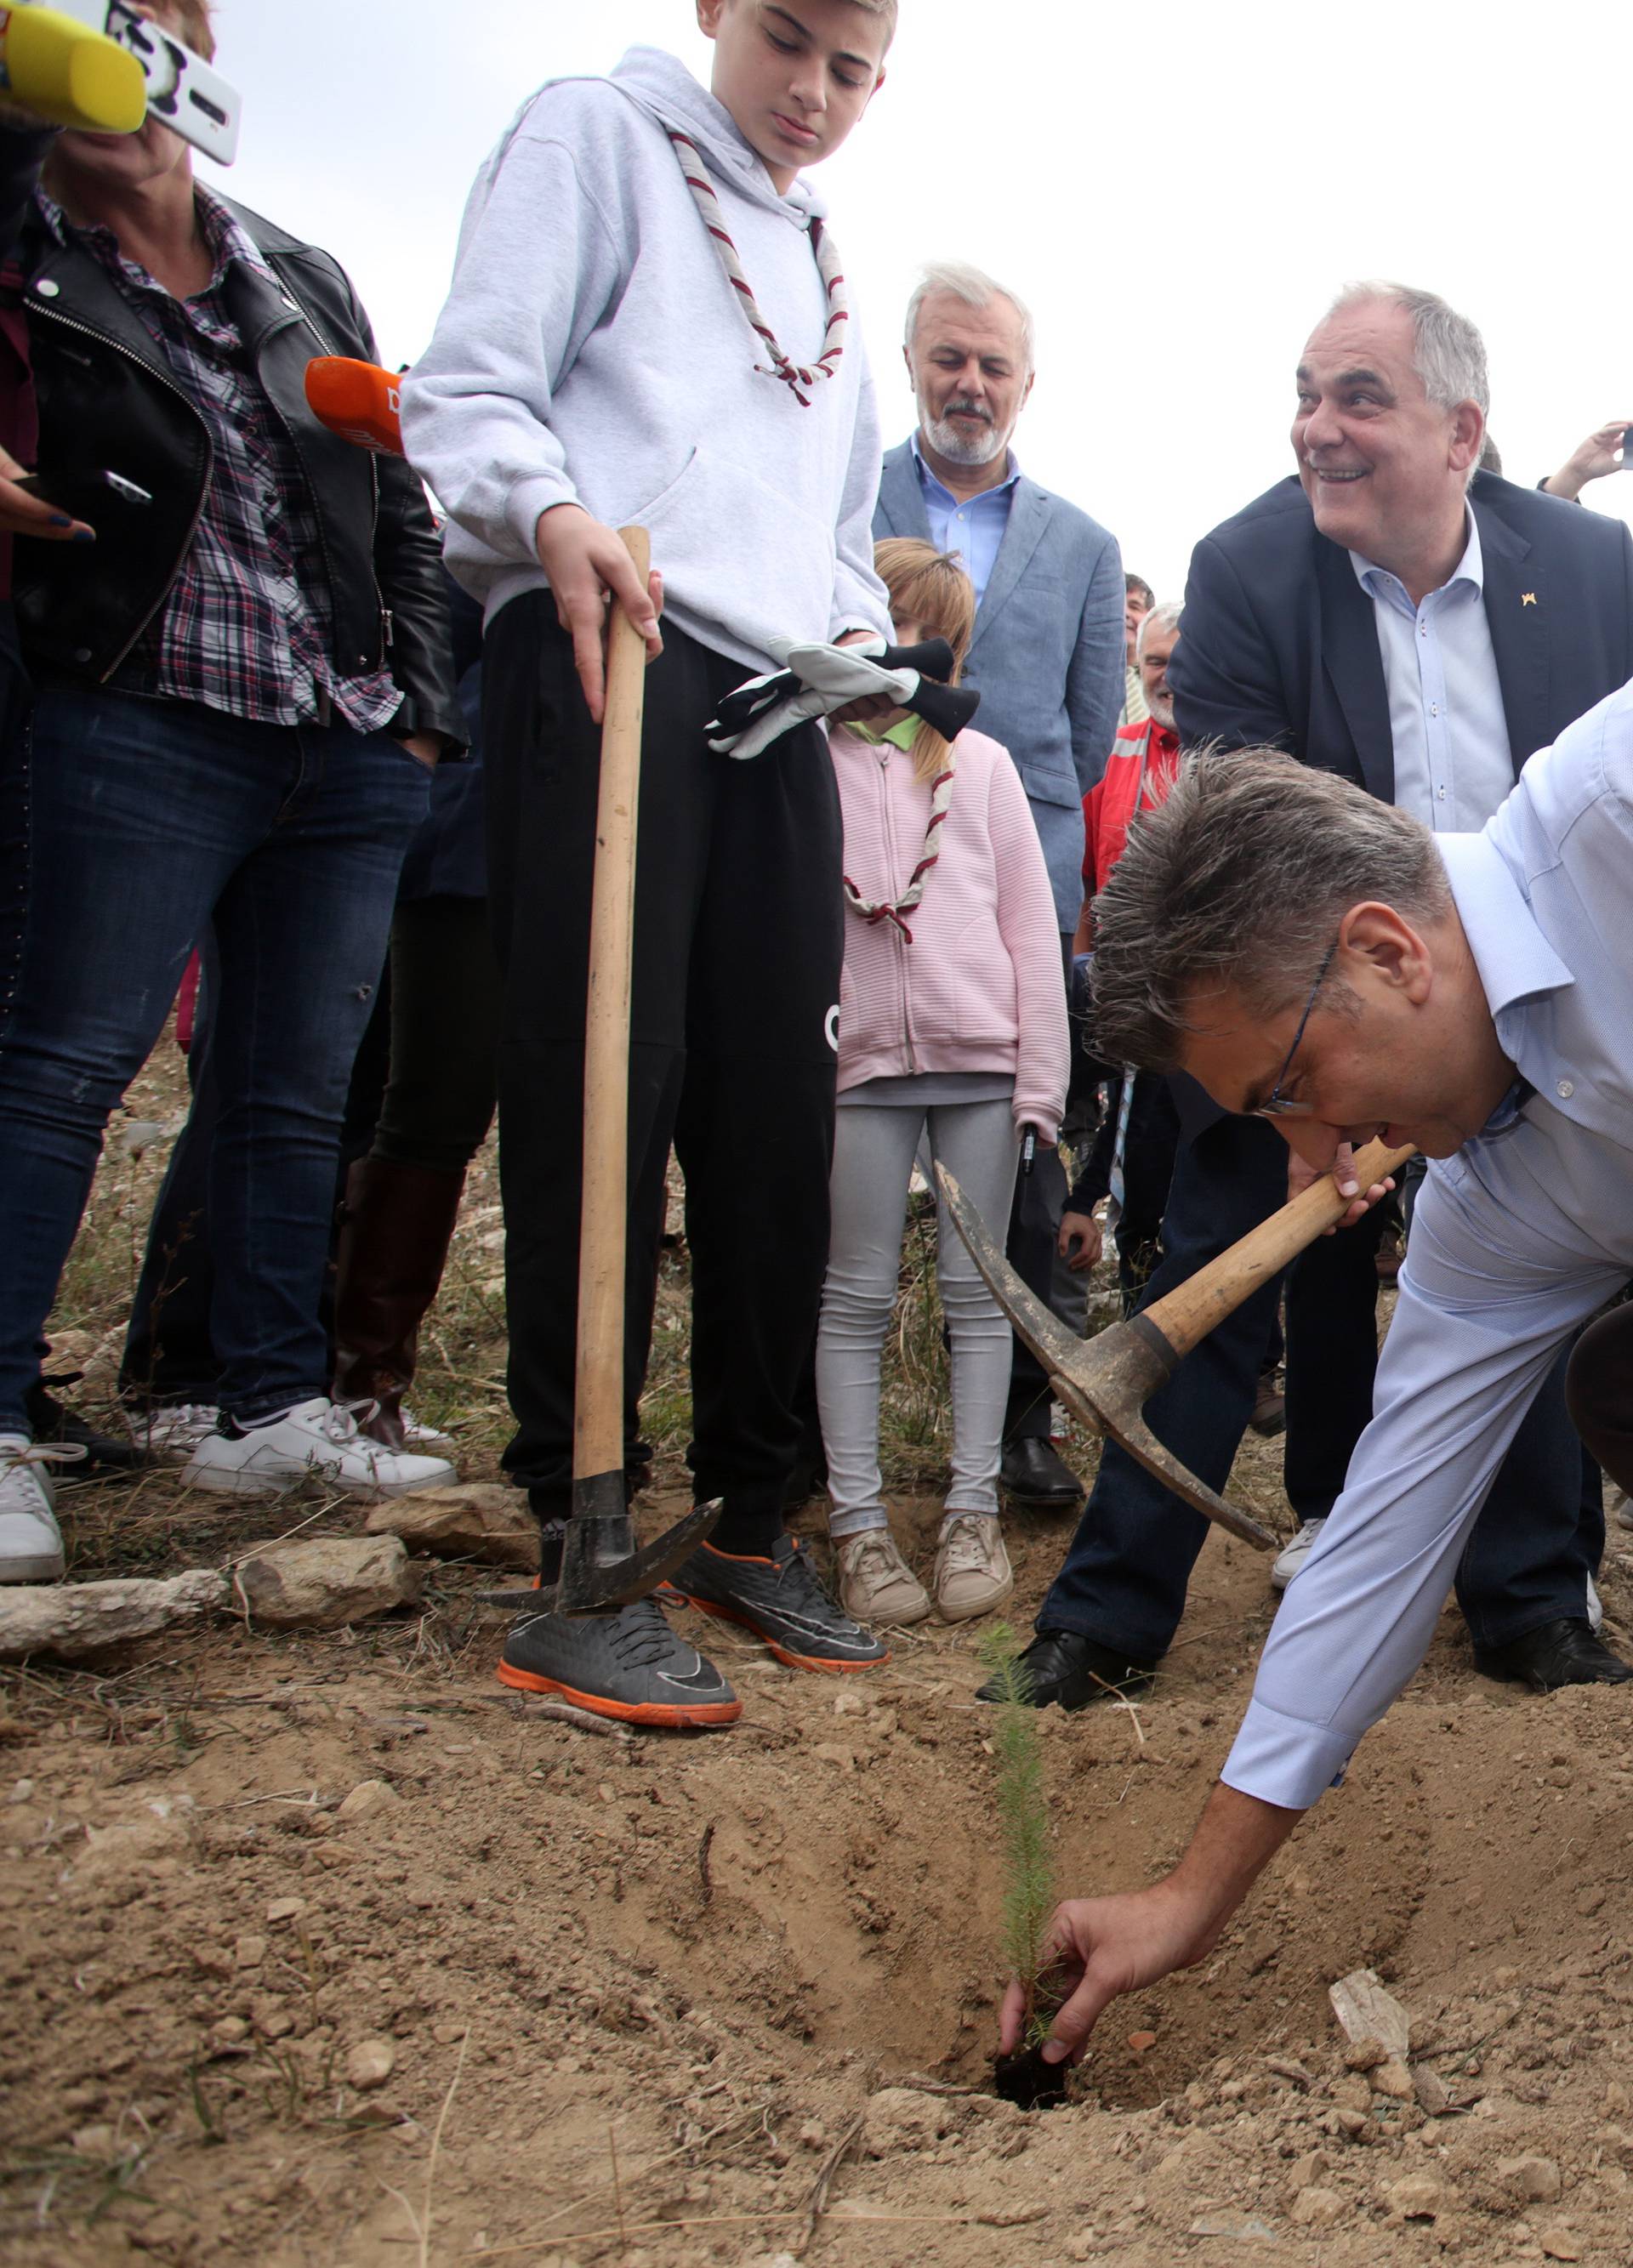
(1276, 1105)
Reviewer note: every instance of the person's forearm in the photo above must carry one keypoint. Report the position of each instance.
(1566, 482)
(1235, 1838)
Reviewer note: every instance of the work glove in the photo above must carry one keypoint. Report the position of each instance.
(816, 680)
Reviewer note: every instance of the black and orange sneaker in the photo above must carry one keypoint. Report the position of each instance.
(781, 1600)
(628, 1665)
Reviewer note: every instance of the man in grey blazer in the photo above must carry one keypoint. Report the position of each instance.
(1047, 656)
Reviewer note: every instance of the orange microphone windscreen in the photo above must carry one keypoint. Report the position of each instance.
(357, 400)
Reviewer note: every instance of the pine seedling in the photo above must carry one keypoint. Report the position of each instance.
(1029, 1893)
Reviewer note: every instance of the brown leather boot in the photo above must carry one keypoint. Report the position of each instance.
(396, 1224)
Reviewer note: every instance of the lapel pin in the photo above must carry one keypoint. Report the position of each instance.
(1527, 597)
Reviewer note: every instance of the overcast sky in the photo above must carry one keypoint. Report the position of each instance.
(1178, 192)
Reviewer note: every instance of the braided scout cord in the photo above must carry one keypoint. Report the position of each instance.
(892, 909)
(794, 375)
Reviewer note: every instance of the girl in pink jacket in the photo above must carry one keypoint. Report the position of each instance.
(952, 1028)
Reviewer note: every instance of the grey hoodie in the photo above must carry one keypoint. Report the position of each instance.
(593, 350)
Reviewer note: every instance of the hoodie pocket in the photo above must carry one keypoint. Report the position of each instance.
(736, 551)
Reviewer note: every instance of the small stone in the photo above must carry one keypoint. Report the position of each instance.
(1317, 2208)
(1140, 2041)
(371, 2064)
(1353, 2093)
(285, 1909)
(249, 1952)
(447, 2035)
(1433, 2096)
(1305, 2173)
(1415, 2197)
(367, 1798)
(1560, 2244)
(21, 1790)
(832, 1752)
(229, 2032)
(93, 2141)
(1366, 2055)
(1366, 2012)
(1536, 2180)
(325, 1583)
(1617, 2101)
(1393, 2079)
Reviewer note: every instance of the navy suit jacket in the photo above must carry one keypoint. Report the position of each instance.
(1278, 645)
(1046, 657)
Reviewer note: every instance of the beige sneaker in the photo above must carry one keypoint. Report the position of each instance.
(973, 1572)
(876, 1583)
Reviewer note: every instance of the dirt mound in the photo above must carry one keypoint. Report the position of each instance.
(670, 1976)
(321, 1951)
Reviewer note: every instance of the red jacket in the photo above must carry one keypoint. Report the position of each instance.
(1143, 761)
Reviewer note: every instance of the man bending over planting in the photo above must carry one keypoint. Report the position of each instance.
(1317, 957)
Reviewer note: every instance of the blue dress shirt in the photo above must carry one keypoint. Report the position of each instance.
(1452, 764)
(1516, 1241)
(975, 526)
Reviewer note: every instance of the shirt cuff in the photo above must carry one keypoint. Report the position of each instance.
(1285, 1760)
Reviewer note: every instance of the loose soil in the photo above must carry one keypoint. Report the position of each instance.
(326, 1952)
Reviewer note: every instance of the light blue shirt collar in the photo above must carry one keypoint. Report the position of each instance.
(1380, 582)
(1515, 961)
(939, 487)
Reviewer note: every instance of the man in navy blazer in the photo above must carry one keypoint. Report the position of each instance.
(1391, 614)
(1047, 656)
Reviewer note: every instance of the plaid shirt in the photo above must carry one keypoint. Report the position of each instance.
(247, 625)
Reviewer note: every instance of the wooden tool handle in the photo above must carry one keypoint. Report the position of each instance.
(598, 1400)
(1191, 1311)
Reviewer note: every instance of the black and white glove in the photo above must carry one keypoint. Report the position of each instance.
(816, 680)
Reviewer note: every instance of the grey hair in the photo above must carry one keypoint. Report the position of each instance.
(1450, 355)
(1240, 880)
(1164, 617)
(976, 289)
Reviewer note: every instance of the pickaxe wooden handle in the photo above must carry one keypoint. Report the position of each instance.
(1108, 1380)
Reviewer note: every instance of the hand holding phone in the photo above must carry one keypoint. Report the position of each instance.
(66, 495)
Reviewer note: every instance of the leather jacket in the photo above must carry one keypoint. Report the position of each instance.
(108, 401)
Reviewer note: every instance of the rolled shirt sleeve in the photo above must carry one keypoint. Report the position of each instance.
(1496, 1277)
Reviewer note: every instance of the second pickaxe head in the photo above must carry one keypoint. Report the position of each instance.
(1107, 1381)
(602, 1568)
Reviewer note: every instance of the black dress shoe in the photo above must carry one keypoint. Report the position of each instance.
(1061, 1667)
(1030, 1472)
(54, 1422)
(1558, 1653)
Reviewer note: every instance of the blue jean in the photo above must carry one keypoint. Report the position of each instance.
(1538, 1538)
(147, 821)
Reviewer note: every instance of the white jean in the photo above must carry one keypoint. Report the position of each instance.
(873, 1156)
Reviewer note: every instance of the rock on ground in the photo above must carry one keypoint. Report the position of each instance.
(484, 1522)
(72, 1619)
(321, 1585)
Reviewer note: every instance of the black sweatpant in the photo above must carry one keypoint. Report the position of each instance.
(738, 945)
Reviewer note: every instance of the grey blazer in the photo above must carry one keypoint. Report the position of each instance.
(1047, 655)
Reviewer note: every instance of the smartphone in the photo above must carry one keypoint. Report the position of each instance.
(1627, 448)
(81, 495)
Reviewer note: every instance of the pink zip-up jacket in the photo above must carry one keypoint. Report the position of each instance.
(979, 987)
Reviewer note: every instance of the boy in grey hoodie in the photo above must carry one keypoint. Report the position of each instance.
(649, 322)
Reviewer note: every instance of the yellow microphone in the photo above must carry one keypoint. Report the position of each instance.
(69, 75)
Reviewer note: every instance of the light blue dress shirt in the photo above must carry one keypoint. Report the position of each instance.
(1515, 1241)
(1452, 763)
(973, 527)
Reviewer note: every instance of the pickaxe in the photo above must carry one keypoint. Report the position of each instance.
(1107, 1381)
(600, 1566)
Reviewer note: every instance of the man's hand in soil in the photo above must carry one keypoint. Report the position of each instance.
(589, 573)
(1301, 1176)
(1097, 1947)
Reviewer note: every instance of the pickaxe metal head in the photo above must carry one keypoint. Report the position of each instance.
(1105, 1381)
(600, 1566)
